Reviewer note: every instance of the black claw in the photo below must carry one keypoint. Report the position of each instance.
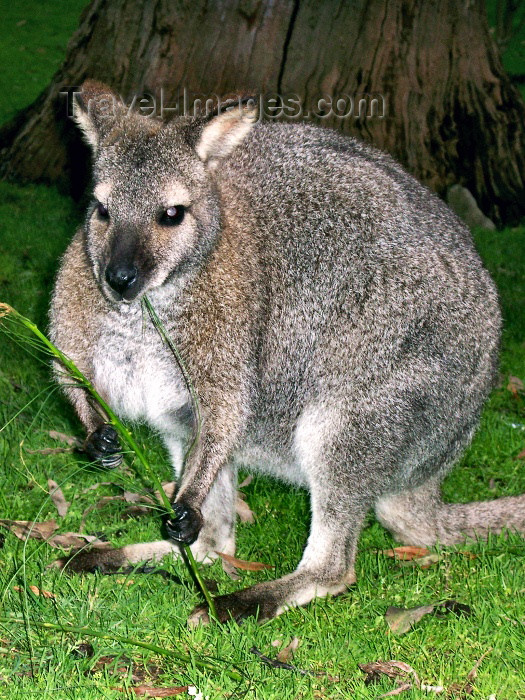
(185, 525)
(103, 446)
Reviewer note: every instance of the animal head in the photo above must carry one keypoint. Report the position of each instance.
(155, 210)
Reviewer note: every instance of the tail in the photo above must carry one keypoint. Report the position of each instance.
(419, 517)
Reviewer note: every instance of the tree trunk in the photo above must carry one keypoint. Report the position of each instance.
(419, 78)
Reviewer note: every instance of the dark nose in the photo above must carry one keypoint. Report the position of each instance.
(121, 276)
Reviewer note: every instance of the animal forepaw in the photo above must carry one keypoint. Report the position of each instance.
(103, 446)
(185, 524)
(237, 607)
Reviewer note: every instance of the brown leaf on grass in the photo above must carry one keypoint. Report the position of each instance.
(51, 451)
(36, 591)
(131, 497)
(150, 692)
(135, 512)
(462, 690)
(58, 498)
(515, 386)
(521, 455)
(24, 529)
(393, 669)
(286, 654)
(75, 540)
(244, 511)
(396, 670)
(406, 553)
(68, 439)
(424, 562)
(242, 564)
(413, 556)
(400, 620)
(230, 570)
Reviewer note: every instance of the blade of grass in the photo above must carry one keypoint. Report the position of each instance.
(89, 632)
(197, 423)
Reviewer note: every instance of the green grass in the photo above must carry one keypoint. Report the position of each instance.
(336, 634)
(34, 37)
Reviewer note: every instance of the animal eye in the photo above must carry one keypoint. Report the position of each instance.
(172, 216)
(102, 211)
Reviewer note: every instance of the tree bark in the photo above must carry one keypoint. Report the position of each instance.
(444, 106)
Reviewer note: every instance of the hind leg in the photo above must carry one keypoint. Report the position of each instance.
(327, 565)
(338, 503)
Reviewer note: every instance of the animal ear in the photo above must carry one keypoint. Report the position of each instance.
(226, 128)
(95, 110)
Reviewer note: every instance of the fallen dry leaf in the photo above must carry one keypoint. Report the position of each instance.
(52, 451)
(515, 386)
(407, 553)
(393, 669)
(68, 540)
(68, 439)
(58, 498)
(131, 497)
(36, 591)
(24, 529)
(424, 562)
(521, 455)
(230, 570)
(396, 670)
(244, 511)
(462, 690)
(400, 620)
(286, 654)
(242, 564)
(150, 692)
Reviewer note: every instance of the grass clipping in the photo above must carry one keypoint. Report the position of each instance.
(13, 323)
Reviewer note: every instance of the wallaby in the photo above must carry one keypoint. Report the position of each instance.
(336, 321)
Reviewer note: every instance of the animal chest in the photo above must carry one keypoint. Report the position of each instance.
(135, 372)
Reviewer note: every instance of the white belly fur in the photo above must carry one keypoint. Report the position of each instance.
(136, 373)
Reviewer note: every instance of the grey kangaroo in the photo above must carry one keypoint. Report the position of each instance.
(337, 323)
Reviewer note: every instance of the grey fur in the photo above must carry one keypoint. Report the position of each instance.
(339, 327)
